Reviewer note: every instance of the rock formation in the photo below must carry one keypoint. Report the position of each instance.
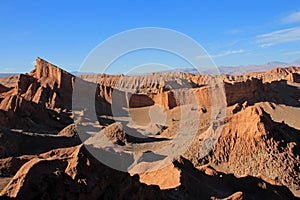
(256, 156)
(40, 100)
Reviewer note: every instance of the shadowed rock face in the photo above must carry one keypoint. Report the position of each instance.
(252, 144)
(40, 100)
(254, 90)
(72, 173)
(255, 157)
(3, 89)
(293, 77)
(275, 74)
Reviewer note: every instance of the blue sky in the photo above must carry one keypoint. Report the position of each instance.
(64, 32)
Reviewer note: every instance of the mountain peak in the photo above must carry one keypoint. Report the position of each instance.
(47, 73)
(45, 69)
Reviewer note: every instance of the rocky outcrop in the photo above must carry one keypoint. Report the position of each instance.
(151, 89)
(9, 81)
(275, 74)
(254, 157)
(252, 144)
(242, 91)
(17, 143)
(72, 173)
(3, 88)
(168, 99)
(293, 77)
(39, 100)
(59, 81)
(9, 166)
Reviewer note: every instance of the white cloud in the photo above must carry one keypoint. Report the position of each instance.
(292, 18)
(293, 53)
(9, 69)
(280, 36)
(224, 53)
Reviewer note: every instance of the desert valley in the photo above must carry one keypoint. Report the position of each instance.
(45, 154)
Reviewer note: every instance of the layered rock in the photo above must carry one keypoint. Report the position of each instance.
(275, 74)
(39, 100)
(3, 88)
(17, 143)
(254, 157)
(293, 77)
(252, 144)
(60, 82)
(72, 173)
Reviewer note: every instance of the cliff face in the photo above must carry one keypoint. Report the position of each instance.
(255, 157)
(243, 91)
(275, 74)
(167, 91)
(252, 144)
(41, 99)
(59, 81)
(72, 173)
(3, 89)
(293, 77)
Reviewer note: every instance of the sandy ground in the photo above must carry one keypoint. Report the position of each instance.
(282, 113)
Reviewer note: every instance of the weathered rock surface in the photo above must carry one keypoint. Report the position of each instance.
(73, 174)
(40, 100)
(255, 157)
(252, 144)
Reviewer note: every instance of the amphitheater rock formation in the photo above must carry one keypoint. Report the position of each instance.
(254, 152)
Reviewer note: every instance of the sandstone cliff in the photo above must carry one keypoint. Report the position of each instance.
(255, 157)
(39, 100)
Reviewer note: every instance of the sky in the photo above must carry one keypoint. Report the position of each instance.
(233, 33)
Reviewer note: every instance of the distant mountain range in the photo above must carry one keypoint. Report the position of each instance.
(2, 75)
(237, 70)
(242, 69)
